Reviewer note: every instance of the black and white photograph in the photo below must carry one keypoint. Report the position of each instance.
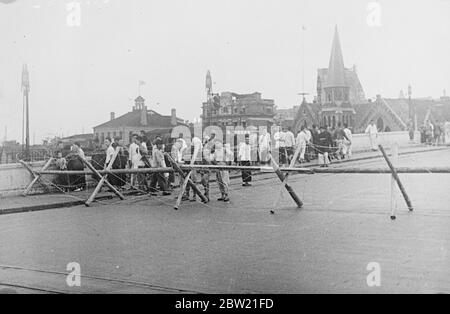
(224, 152)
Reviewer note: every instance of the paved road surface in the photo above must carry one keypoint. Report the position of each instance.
(143, 245)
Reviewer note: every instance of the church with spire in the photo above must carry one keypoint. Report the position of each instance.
(338, 89)
(341, 99)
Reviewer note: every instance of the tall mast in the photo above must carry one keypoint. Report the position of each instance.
(26, 91)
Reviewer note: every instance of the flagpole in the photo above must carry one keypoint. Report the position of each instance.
(23, 122)
(303, 58)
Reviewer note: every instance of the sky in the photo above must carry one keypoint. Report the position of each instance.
(80, 72)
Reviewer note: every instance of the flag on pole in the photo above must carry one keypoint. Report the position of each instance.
(303, 27)
(141, 83)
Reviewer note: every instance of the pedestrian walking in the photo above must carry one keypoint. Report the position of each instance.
(289, 142)
(348, 142)
(244, 156)
(372, 131)
(301, 141)
(264, 146)
(223, 176)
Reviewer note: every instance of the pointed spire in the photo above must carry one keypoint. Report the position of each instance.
(336, 71)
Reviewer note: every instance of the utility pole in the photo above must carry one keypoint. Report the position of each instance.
(412, 113)
(26, 91)
(303, 93)
(303, 57)
(208, 86)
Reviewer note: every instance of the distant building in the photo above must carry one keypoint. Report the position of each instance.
(340, 99)
(232, 109)
(286, 117)
(138, 119)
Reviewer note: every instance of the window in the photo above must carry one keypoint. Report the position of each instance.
(346, 95)
(338, 94)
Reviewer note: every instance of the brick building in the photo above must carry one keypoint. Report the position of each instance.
(232, 109)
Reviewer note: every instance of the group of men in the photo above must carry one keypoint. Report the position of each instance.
(142, 153)
(322, 142)
(210, 151)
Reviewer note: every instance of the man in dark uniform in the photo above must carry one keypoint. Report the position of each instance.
(324, 143)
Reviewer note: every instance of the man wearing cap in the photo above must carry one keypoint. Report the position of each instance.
(324, 142)
(244, 157)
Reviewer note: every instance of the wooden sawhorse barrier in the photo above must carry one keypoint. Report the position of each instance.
(36, 176)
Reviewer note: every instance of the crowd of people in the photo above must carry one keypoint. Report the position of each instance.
(434, 134)
(322, 143)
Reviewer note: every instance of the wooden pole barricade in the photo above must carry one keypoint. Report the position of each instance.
(183, 188)
(194, 187)
(394, 159)
(354, 170)
(103, 179)
(36, 176)
(286, 177)
(397, 179)
(282, 178)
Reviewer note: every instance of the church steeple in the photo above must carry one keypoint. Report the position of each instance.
(336, 107)
(336, 70)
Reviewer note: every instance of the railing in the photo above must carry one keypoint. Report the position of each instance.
(13, 156)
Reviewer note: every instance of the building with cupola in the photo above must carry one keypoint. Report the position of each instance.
(140, 118)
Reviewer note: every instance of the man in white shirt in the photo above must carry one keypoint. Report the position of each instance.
(348, 141)
(76, 148)
(282, 146)
(244, 157)
(109, 151)
(135, 159)
(182, 148)
(223, 176)
(264, 146)
(253, 139)
(372, 130)
(301, 141)
(308, 149)
(289, 142)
